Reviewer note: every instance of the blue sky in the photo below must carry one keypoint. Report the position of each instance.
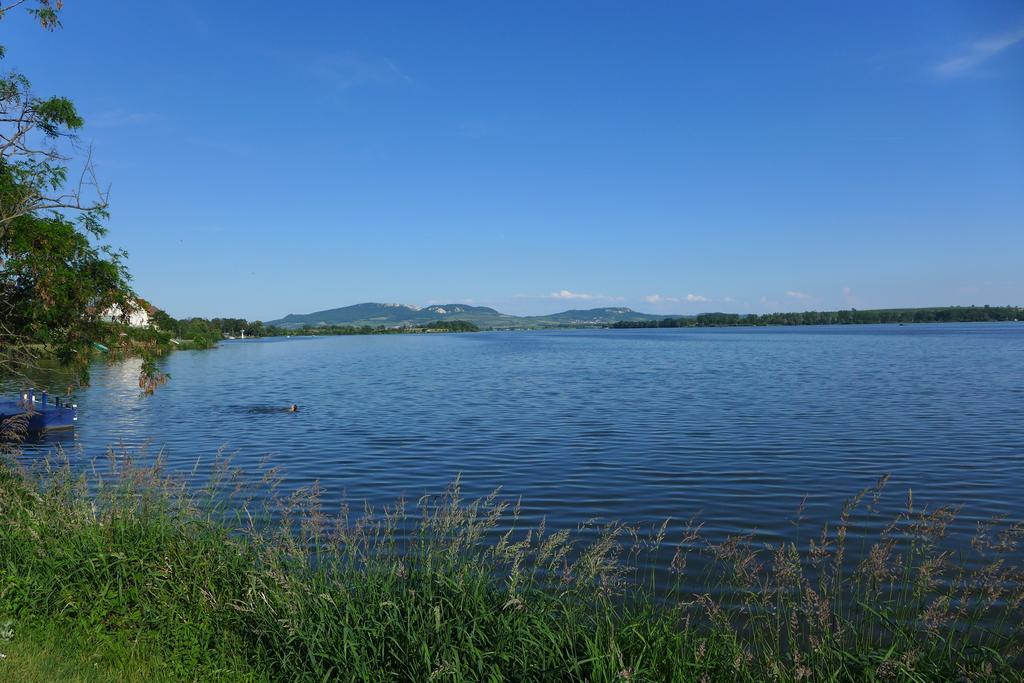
(671, 157)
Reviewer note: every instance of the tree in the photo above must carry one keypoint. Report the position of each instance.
(164, 322)
(44, 11)
(56, 276)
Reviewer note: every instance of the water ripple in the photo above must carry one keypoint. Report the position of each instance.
(734, 425)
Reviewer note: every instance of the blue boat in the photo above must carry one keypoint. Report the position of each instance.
(42, 415)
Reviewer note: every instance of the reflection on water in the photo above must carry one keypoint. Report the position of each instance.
(734, 426)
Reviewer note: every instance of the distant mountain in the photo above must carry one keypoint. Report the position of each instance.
(395, 315)
(597, 316)
(402, 315)
(349, 315)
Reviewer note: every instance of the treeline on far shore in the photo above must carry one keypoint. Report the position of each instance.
(205, 332)
(435, 326)
(948, 314)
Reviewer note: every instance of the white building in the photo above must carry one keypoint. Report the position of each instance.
(137, 316)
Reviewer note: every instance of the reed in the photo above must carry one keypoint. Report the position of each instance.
(225, 576)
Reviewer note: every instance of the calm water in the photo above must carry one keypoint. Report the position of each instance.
(732, 425)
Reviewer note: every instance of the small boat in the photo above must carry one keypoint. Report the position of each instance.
(100, 347)
(42, 415)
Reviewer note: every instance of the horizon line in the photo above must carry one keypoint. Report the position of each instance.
(662, 316)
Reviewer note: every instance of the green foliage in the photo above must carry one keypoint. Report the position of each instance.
(163, 321)
(56, 281)
(44, 654)
(452, 326)
(56, 115)
(203, 333)
(336, 330)
(46, 12)
(851, 317)
(279, 592)
(207, 332)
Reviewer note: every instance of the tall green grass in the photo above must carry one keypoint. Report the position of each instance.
(223, 584)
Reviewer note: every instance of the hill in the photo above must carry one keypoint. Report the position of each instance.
(596, 316)
(405, 315)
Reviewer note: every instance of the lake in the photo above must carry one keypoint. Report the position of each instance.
(734, 425)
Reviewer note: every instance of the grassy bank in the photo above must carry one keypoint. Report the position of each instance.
(134, 575)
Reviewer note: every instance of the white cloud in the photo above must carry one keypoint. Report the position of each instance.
(566, 294)
(659, 299)
(977, 53)
(798, 295)
(349, 70)
(690, 298)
